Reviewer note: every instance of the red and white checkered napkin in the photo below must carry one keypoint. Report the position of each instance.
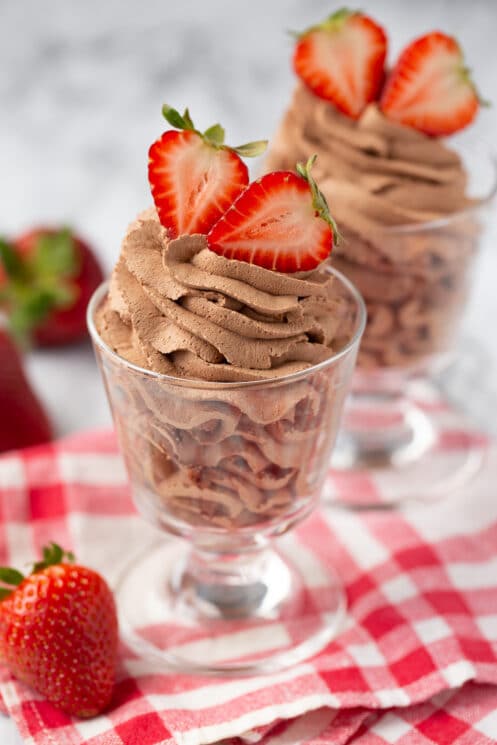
(464, 716)
(422, 593)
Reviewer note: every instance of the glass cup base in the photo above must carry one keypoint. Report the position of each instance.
(225, 614)
(401, 455)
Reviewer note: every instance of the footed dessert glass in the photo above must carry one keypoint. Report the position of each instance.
(415, 280)
(228, 467)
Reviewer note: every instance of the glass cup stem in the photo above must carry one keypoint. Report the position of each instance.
(216, 585)
(382, 429)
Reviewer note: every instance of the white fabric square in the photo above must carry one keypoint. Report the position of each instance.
(473, 576)
(458, 673)
(20, 543)
(488, 626)
(366, 550)
(391, 728)
(431, 630)
(366, 655)
(94, 727)
(392, 697)
(12, 474)
(400, 588)
(307, 563)
(488, 725)
(92, 468)
(92, 542)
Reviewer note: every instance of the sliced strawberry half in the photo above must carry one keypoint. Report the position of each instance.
(430, 87)
(194, 176)
(281, 222)
(343, 60)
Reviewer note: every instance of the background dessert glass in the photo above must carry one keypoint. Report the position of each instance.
(228, 466)
(415, 280)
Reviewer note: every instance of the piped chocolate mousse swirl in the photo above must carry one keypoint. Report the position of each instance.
(225, 281)
(382, 176)
(394, 185)
(376, 172)
(175, 307)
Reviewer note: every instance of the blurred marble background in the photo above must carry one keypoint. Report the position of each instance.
(81, 88)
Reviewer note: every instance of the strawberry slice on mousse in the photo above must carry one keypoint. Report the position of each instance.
(281, 222)
(342, 60)
(430, 87)
(194, 176)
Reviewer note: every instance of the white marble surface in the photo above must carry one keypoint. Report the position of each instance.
(81, 87)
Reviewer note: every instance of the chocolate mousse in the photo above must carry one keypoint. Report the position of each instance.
(381, 177)
(254, 449)
(178, 308)
(399, 193)
(225, 458)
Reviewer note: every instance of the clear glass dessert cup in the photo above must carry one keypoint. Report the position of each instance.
(227, 467)
(415, 280)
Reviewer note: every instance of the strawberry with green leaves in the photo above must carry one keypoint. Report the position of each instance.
(430, 87)
(281, 222)
(194, 176)
(342, 60)
(47, 277)
(59, 632)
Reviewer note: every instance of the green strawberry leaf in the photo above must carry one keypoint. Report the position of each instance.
(30, 310)
(55, 256)
(188, 120)
(318, 199)
(52, 554)
(31, 304)
(63, 295)
(10, 576)
(4, 593)
(175, 119)
(10, 261)
(215, 135)
(251, 149)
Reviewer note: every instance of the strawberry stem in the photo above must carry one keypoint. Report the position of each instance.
(52, 554)
(333, 22)
(466, 75)
(318, 199)
(213, 135)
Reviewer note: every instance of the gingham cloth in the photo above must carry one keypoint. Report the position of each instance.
(422, 594)
(465, 716)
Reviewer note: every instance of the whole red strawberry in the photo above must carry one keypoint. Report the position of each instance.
(23, 421)
(47, 277)
(194, 176)
(59, 633)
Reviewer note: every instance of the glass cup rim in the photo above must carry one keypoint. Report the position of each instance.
(439, 222)
(102, 289)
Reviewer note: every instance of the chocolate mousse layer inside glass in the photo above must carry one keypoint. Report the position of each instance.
(226, 344)
(411, 209)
